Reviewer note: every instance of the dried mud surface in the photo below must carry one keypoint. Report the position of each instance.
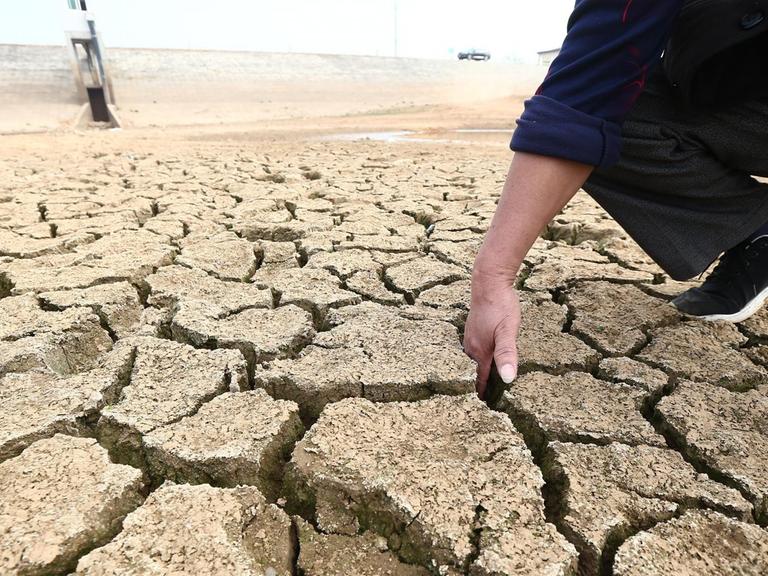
(245, 358)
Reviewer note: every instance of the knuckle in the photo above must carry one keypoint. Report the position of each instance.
(505, 350)
(506, 330)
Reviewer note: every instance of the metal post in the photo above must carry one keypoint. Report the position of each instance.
(97, 54)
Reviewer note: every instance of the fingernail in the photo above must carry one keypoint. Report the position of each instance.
(508, 373)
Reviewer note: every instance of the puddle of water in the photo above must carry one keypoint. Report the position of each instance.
(411, 136)
(395, 136)
(484, 131)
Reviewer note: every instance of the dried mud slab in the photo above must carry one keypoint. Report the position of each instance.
(369, 220)
(259, 334)
(278, 255)
(726, 431)
(758, 355)
(314, 290)
(699, 543)
(337, 555)
(208, 312)
(559, 266)
(98, 225)
(61, 497)
(461, 254)
(345, 263)
(236, 438)
(198, 530)
(626, 252)
(319, 242)
(577, 407)
(129, 255)
(453, 316)
(23, 246)
(415, 276)
(454, 295)
(35, 405)
(168, 381)
(382, 243)
(281, 226)
(583, 219)
(634, 373)
(175, 286)
(71, 347)
(542, 344)
(223, 255)
(371, 287)
(608, 493)
(167, 225)
(616, 318)
(117, 305)
(447, 481)
(22, 316)
(704, 351)
(374, 353)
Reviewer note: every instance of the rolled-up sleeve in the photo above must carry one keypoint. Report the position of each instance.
(610, 48)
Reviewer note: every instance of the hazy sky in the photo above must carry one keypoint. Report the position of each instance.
(425, 28)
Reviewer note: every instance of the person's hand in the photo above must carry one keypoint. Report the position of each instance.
(490, 333)
(537, 188)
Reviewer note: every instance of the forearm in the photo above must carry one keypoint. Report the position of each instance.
(536, 189)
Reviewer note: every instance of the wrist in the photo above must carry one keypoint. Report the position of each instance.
(492, 270)
(488, 283)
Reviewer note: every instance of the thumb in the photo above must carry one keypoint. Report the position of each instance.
(505, 349)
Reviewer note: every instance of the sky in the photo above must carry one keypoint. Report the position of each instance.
(509, 29)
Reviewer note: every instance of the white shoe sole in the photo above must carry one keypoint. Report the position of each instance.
(751, 308)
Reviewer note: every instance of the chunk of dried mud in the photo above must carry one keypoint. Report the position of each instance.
(430, 476)
(61, 497)
(726, 431)
(699, 543)
(608, 493)
(375, 353)
(201, 530)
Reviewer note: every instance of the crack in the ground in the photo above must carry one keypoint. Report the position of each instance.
(658, 277)
(389, 285)
(752, 338)
(445, 259)
(43, 211)
(137, 457)
(475, 539)
(253, 357)
(553, 491)
(616, 537)
(295, 548)
(644, 287)
(118, 527)
(426, 219)
(678, 443)
(556, 483)
(6, 285)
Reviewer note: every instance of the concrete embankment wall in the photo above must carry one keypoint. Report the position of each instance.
(173, 87)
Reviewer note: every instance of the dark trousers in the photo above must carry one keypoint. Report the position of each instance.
(684, 188)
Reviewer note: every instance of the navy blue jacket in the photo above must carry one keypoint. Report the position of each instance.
(602, 67)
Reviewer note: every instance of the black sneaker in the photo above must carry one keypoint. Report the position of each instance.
(735, 290)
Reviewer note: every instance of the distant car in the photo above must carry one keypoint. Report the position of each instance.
(474, 55)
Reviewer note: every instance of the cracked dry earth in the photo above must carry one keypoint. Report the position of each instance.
(246, 360)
